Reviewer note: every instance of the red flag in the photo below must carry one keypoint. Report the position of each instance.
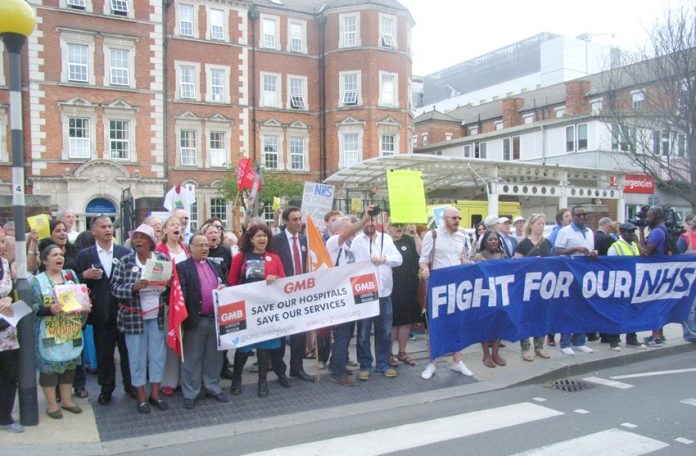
(245, 174)
(177, 313)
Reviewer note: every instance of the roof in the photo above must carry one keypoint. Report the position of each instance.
(316, 6)
(434, 115)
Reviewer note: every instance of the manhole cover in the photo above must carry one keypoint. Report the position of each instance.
(570, 386)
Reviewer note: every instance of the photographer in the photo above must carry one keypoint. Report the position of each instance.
(656, 244)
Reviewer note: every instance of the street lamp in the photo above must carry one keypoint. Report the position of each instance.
(17, 21)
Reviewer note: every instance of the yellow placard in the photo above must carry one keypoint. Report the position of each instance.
(356, 205)
(42, 224)
(276, 203)
(406, 196)
(69, 302)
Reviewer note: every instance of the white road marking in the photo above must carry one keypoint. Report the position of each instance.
(652, 374)
(419, 434)
(605, 382)
(683, 440)
(610, 441)
(539, 399)
(689, 401)
(629, 425)
(581, 411)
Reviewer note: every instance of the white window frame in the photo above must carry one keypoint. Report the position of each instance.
(218, 157)
(195, 148)
(637, 100)
(294, 139)
(90, 132)
(120, 114)
(597, 105)
(216, 205)
(194, 20)
(225, 87)
(2, 67)
(509, 148)
(342, 88)
(270, 99)
(498, 125)
(570, 139)
(579, 147)
(267, 140)
(73, 5)
(78, 111)
(383, 152)
(193, 213)
(448, 136)
(383, 100)
(342, 41)
(386, 39)
(264, 21)
(117, 11)
(293, 101)
(79, 38)
(342, 134)
(120, 44)
(111, 141)
(212, 33)
(473, 131)
(195, 85)
(4, 135)
(528, 118)
(560, 111)
(481, 150)
(425, 140)
(302, 49)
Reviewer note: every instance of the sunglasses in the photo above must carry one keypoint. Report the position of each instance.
(456, 217)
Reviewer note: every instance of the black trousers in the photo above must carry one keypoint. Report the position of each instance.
(106, 339)
(9, 363)
(297, 351)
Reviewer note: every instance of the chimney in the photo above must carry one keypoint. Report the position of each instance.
(511, 112)
(576, 99)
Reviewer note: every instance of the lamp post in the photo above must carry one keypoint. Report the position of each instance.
(17, 21)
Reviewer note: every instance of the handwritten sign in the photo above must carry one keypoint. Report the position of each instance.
(406, 196)
(317, 200)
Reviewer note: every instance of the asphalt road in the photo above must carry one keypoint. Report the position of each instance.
(649, 414)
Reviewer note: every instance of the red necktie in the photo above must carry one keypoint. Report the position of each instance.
(296, 256)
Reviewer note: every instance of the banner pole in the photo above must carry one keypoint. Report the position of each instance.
(316, 355)
(181, 343)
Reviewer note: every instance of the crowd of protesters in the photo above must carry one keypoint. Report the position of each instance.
(129, 314)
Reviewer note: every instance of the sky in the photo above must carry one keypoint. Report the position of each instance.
(448, 32)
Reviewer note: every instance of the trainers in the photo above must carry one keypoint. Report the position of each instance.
(568, 351)
(364, 375)
(634, 344)
(428, 372)
(615, 348)
(584, 349)
(345, 380)
(652, 341)
(13, 427)
(390, 372)
(322, 365)
(351, 363)
(460, 367)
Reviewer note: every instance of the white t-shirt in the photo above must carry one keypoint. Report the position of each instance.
(361, 250)
(571, 236)
(450, 248)
(343, 250)
(181, 200)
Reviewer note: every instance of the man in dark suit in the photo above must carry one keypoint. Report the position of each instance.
(202, 362)
(94, 266)
(291, 246)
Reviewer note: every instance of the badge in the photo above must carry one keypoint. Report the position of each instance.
(136, 269)
(403, 247)
(268, 258)
(304, 248)
(115, 261)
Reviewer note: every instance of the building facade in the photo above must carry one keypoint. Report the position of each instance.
(146, 95)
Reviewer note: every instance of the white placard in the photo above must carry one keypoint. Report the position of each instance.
(317, 200)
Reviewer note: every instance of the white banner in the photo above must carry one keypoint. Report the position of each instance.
(255, 312)
(317, 200)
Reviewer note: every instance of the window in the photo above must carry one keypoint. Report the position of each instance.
(661, 142)
(78, 62)
(350, 30)
(297, 92)
(387, 89)
(217, 24)
(480, 150)
(638, 99)
(596, 105)
(297, 153)
(448, 136)
(193, 220)
(582, 137)
(187, 148)
(269, 97)
(296, 40)
(350, 90)
(511, 148)
(268, 213)
(570, 138)
(119, 7)
(119, 67)
(499, 125)
(528, 118)
(270, 152)
(218, 152)
(681, 146)
(467, 151)
(78, 136)
(414, 141)
(119, 139)
(473, 131)
(76, 4)
(425, 139)
(623, 138)
(387, 25)
(269, 32)
(187, 82)
(351, 149)
(185, 20)
(218, 209)
(388, 145)
(560, 111)
(217, 85)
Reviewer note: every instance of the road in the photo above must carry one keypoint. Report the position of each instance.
(642, 408)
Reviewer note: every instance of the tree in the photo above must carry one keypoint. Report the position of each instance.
(651, 104)
(273, 186)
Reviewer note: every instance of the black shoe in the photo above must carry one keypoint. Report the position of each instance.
(592, 337)
(263, 389)
(284, 381)
(226, 374)
(143, 407)
(159, 403)
(236, 388)
(189, 403)
(104, 399)
(220, 397)
(131, 391)
(81, 393)
(302, 375)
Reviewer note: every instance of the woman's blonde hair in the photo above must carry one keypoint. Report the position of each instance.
(163, 237)
(530, 222)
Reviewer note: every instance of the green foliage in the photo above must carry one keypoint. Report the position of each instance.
(274, 185)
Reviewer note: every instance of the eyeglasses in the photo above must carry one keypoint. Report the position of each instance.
(203, 246)
(581, 214)
(456, 217)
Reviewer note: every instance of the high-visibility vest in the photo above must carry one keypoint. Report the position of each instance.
(690, 238)
(625, 249)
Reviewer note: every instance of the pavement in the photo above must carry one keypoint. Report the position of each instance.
(119, 429)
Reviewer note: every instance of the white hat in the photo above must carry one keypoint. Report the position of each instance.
(503, 220)
(491, 221)
(517, 219)
(147, 231)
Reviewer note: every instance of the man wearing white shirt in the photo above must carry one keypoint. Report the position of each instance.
(380, 249)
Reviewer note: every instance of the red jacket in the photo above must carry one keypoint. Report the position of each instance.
(272, 266)
(162, 248)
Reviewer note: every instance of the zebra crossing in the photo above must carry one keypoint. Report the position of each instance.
(627, 442)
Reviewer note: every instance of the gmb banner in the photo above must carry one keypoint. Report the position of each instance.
(255, 312)
(514, 299)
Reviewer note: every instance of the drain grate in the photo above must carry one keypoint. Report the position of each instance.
(569, 386)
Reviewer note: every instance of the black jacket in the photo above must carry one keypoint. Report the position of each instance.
(282, 248)
(104, 305)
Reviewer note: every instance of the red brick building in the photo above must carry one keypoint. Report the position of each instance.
(148, 94)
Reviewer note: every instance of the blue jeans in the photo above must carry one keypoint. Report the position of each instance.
(577, 340)
(339, 349)
(146, 354)
(383, 327)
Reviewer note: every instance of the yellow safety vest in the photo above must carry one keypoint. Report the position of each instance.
(624, 249)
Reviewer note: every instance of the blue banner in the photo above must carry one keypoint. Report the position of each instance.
(514, 299)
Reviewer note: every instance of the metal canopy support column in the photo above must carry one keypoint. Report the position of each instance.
(563, 194)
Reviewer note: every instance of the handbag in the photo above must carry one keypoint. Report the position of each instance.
(423, 284)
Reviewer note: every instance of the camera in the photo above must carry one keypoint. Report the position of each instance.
(641, 217)
(374, 211)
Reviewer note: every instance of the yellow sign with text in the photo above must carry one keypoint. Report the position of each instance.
(42, 224)
(406, 196)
